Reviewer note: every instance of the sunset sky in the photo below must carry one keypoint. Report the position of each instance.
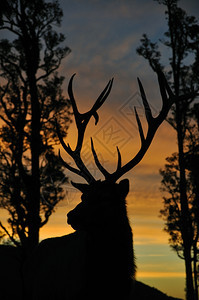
(103, 36)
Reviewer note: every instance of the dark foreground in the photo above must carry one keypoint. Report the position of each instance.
(11, 279)
(145, 292)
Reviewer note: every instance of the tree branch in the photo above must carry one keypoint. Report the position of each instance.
(10, 237)
(10, 29)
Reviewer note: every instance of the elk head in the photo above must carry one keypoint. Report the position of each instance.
(106, 192)
(103, 204)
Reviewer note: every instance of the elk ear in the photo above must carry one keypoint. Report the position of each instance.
(124, 187)
(82, 187)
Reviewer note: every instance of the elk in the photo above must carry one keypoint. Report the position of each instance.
(96, 261)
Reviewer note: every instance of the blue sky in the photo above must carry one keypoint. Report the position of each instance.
(104, 35)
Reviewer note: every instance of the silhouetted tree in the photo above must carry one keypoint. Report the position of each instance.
(182, 38)
(30, 102)
(171, 212)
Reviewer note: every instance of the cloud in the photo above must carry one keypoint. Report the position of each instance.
(103, 36)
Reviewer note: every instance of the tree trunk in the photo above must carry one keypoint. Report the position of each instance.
(34, 192)
(31, 49)
(195, 269)
(187, 235)
(189, 278)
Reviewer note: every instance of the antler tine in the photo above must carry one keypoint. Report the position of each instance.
(147, 108)
(67, 148)
(97, 162)
(164, 90)
(104, 94)
(106, 174)
(100, 100)
(164, 85)
(72, 98)
(83, 172)
(139, 126)
(119, 161)
(69, 167)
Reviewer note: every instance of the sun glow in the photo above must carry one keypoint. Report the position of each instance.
(142, 275)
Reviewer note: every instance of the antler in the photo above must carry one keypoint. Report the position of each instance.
(81, 121)
(153, 124)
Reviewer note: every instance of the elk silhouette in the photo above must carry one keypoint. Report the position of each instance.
(97, 260)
